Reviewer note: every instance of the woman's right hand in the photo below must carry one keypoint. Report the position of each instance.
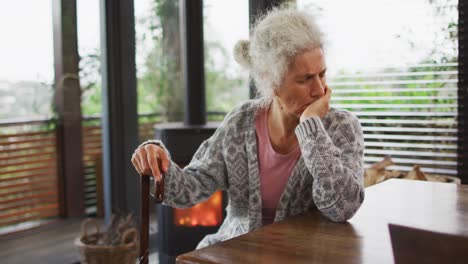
(319, 108)
(151, 159)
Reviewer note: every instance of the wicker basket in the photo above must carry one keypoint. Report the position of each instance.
(91, 253)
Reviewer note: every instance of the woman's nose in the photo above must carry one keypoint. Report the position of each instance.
(317, 88)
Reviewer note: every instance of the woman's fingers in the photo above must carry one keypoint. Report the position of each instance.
(152, 158)
(143, 162)
(164, 159)
(136, 162)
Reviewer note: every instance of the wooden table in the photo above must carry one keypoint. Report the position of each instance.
(440, 207)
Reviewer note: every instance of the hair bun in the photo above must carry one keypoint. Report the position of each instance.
(241, 53)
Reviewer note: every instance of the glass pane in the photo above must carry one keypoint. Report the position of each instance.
(27, 150)
(225, 22)
(26, 59)
(364, 34)
(89, 48)
(158, 60)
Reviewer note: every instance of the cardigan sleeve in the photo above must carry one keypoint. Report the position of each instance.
(206, 173)
(335, 161)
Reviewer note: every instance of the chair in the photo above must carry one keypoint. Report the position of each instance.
(411, 245)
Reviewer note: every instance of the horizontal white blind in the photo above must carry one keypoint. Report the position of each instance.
(408, 114)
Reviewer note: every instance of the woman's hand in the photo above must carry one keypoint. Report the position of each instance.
(151, 159)
(318, 108)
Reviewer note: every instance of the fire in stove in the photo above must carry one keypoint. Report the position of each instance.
(208, 213)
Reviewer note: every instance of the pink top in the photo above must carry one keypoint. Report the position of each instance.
(275, 169)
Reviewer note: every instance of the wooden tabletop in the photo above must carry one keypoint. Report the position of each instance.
(440, 207)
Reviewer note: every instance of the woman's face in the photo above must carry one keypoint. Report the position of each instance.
(303, 83)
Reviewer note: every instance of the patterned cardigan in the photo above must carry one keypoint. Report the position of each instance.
(327, 177)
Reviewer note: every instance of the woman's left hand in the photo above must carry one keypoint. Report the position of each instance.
(318, 108)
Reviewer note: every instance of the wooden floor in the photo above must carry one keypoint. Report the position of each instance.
(49, 244)
(52, 243)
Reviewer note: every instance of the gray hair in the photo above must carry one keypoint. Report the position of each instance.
(276, 38)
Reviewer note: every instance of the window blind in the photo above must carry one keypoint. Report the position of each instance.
(409, 114)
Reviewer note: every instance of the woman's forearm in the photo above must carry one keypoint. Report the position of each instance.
(336, 166)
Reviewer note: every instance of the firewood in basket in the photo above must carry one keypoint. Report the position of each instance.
(376, 172)
(369, 178)
(372, 176)
(119, 223)
(387, 161)
(393, 174)
(416, 174)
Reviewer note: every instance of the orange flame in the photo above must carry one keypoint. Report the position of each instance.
(208, 213)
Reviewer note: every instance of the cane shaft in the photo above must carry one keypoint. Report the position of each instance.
(145, 188)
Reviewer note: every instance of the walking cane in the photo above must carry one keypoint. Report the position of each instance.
(144, 213)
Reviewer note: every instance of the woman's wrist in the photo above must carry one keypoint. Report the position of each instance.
(303, 117)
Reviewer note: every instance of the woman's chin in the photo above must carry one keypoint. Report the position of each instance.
(301, 110)
(298, 114)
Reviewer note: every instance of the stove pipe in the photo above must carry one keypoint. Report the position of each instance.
(193, 70)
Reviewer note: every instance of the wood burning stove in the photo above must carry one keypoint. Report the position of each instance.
(180, 230)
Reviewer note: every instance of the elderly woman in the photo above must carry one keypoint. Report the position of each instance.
(284, 154)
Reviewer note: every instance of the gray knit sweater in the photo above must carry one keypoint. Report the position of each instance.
(327, 177)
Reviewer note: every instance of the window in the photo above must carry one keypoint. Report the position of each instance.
(225, 22)
(26, 70)
(28, 189)
(89, 49)
(159, 71)
(160, 87)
